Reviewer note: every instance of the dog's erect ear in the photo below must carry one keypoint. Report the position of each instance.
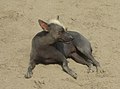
(66, 29)
(43, 25)
(58, 17)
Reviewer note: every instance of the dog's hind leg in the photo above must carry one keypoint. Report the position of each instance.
(81, 60)
(95, 63)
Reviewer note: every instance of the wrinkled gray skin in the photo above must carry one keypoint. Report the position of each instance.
(80, 50)
(43, 50)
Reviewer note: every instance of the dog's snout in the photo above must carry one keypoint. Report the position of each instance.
(66, 37)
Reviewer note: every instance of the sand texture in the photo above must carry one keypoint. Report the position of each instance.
(97, 20)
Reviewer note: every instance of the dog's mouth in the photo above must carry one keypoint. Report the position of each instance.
(67, 42)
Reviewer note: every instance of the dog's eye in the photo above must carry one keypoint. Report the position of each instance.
(61, 31)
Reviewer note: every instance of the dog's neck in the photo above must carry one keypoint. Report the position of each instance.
(47, 40)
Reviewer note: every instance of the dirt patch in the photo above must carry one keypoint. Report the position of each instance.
(97, 20)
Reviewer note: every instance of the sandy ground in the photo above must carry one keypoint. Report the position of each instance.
(97, 20)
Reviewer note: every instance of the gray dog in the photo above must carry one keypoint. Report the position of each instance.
(43, 50)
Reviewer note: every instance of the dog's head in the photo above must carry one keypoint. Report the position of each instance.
(56, 30)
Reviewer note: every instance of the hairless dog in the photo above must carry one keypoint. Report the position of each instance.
(43, 50)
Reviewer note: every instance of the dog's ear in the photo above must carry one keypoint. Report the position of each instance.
(58, 17)
(43, 25)
(66, 29)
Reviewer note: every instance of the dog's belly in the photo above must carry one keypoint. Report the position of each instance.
(47, 52)
(48, 55)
